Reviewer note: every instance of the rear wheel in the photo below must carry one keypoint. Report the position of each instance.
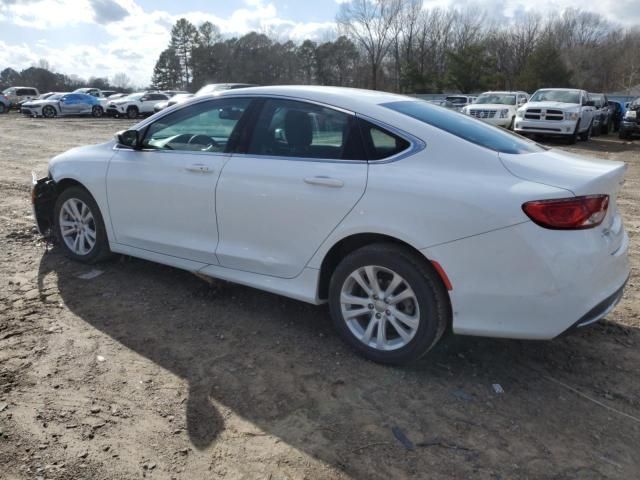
(388, 304)
(606, 128)
(2, 108)
(49, 112)
(79, 226)
(510, 127)
(97, 111)
(132, 112)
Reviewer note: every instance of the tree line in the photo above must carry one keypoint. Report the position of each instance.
(44, 79)
(400, 46)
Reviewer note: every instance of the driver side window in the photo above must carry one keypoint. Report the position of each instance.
(203, 127)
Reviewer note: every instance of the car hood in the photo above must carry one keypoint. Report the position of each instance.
(39, 103)
(558, 105)
(578, 174)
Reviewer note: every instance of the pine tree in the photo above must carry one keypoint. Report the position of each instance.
(184, 38)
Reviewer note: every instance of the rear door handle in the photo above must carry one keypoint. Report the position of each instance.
(199, 168)
(324, 181)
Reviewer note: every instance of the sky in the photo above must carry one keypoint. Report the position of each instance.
(103, 37)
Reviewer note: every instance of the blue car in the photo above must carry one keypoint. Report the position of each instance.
(60, 104)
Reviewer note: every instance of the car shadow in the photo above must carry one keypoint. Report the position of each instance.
(471, 404)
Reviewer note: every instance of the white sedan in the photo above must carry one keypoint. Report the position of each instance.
(407, 218)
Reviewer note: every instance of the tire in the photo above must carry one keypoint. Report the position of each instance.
(586, 135)
(97, 111)
(49, 112)
(606, 129)
(428, 308)
(573, 138)
(64, 211)
(132, 112)
(2, 108)
(510, 127)
(623, 134)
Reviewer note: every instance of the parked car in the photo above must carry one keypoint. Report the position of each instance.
(60, 104)
(497, 108)
(562, 112)
(18, 95)
(177, 98)
(220, 87)
(135, 104)
(602, 118)
(458, 102)
(617, 112)
(108, 93)
(407, 218)
(630, 124)
(5, 104)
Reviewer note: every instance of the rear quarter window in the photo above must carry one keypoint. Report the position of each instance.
(465, 127)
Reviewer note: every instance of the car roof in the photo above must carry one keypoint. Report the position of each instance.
(352, 99)
(563, 89)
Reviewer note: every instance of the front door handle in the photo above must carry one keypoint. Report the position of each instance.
(324, 181)
(199, 168)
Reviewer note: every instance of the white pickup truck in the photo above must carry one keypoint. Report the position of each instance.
(562, 112)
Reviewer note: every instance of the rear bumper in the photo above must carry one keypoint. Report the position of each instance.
(531, 283)
(542, 127)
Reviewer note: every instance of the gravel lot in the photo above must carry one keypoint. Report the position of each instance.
(149, 371)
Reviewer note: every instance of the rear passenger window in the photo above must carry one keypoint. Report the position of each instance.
(287, 128)
(380, 143)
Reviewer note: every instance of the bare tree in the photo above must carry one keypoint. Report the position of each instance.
(370, 23)
(121, 80)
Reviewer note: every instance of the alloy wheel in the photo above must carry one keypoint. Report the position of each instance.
(48, 112)
(380, 308)
(77, 226)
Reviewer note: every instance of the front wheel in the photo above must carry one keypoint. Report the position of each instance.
(132, 112)
(388, 304)
(49, 112)
(79, 226)
(586, 135)
(97, 111)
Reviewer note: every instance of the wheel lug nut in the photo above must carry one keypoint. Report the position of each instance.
(378, 315)
(371, 306)
(387, 312)
(375, 297)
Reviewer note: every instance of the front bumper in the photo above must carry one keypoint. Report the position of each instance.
(630, 127)
(31, 111)
(495, 121)
(545, 127)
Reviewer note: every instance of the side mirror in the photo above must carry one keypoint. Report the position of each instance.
(129, 138)
(590, 103)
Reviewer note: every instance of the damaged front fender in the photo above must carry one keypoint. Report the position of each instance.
(43, 198)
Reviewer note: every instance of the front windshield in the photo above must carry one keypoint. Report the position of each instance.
(562, 96)
(465, 127)
(496, 98)
(208, 89)
(55, 96)
(134, 96)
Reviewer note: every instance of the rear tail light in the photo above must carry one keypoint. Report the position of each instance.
(576, 213)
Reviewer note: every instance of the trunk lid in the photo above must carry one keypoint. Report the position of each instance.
(580, 175)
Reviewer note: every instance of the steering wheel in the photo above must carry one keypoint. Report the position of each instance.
(203, 140)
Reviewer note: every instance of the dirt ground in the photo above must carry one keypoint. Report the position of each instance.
(149, 371)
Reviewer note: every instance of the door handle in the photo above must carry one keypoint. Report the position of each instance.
(324, 181)
(199, 168)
